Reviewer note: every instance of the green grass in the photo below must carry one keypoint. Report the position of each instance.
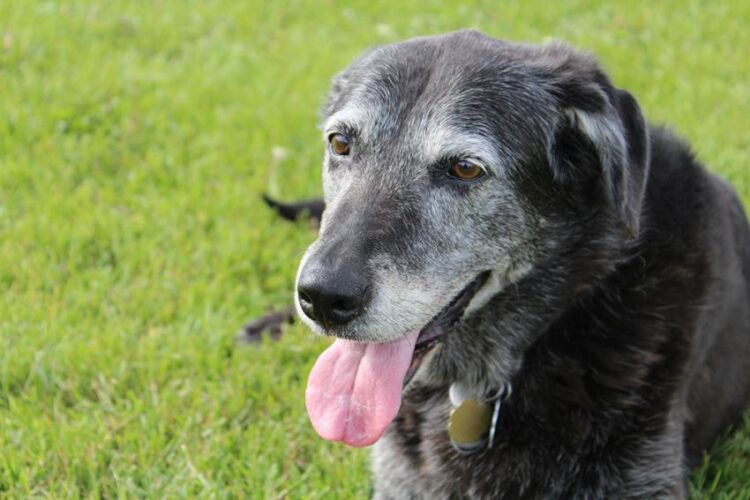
(135, 137)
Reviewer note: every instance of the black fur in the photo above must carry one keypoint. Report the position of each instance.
(626, 338)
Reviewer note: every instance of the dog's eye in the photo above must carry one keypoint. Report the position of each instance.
(339, 144)
(466, 171)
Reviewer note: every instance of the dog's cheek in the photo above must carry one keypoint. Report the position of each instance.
(488, 227)
(330, 186)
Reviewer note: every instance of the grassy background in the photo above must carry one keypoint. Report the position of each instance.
(135, 137)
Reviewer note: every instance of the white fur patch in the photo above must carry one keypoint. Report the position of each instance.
(604, 131)
(495, 283)
(442, 141)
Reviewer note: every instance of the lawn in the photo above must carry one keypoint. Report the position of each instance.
(135, 138)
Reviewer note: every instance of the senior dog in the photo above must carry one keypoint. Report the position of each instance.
(535, 294)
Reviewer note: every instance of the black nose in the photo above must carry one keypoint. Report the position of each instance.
(332, 298)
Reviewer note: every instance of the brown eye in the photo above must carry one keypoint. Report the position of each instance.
(466, 171)
(339, 144)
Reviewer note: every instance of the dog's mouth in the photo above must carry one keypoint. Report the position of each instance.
(443, 322)
(354, 389)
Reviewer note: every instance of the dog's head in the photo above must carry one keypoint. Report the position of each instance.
(456, 157)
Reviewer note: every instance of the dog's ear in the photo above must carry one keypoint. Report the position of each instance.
(602, 132)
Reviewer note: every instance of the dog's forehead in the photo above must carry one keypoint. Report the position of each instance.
(440, 96)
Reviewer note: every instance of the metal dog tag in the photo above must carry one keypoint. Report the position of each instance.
(469, 426)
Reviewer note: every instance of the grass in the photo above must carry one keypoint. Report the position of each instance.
(135, 138)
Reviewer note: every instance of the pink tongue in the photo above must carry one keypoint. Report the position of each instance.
(354, 389)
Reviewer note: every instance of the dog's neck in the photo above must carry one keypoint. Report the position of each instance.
(514, 310)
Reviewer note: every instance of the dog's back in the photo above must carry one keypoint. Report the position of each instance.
(719, 374)
(698, 233)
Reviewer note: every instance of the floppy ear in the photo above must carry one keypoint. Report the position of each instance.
(603, 133)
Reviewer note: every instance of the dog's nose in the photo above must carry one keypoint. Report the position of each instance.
(332, 298)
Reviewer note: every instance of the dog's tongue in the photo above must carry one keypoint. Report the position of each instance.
(354, 389)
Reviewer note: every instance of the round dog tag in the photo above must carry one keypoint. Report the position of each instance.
(469, 425)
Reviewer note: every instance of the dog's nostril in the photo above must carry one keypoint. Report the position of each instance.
(303, 296)
(343, 310)
(340, 310)
(306, 303)
(345, 305)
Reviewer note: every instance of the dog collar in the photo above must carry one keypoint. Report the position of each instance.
(472, 423)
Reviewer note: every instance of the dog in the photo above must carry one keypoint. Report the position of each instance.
(533, 292)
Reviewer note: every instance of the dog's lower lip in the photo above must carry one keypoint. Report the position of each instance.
(433, 332)
(451, 313)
